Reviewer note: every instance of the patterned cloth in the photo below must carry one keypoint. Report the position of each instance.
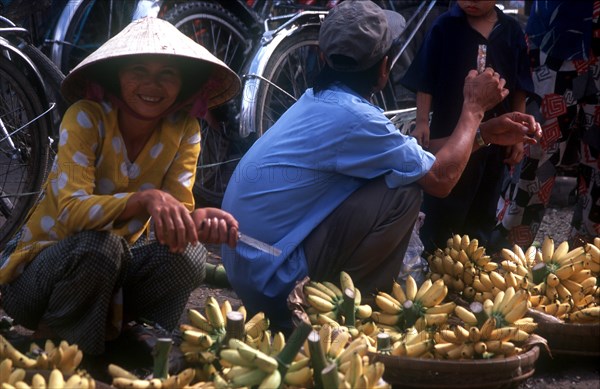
(92, 178)
(568, 107)
(94, 278)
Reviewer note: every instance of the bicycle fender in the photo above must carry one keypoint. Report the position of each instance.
(60, 31)
(255, 72)
(23, 61)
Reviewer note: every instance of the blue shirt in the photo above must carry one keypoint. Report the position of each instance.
(562, 29)
(449, 52)
(317, 154)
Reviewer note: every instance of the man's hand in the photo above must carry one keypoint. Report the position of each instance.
(511, 129)
(484, 91)
(216, 226)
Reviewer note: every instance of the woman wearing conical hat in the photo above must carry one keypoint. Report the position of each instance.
(85, 262)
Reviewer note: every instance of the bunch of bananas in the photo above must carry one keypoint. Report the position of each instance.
(204, 331)
(414, 343)
(12, 377)
(345, 357)
(124, 379)
(496, 329)
(465, 268)
(417, 306)
(247, 366)
(64, 357)
(562, 281)
(326, 302)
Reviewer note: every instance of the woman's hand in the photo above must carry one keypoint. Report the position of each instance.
(173, 224)
(215, 226)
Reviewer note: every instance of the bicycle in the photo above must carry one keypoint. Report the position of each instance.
(27, 102)
(288, 61)
(230, 30)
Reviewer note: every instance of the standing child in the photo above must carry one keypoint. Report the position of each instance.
(449, 51)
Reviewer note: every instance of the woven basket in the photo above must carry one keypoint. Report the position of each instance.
(404, 372)
(571, 338)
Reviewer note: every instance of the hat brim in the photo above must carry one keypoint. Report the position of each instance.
(396, 23)
(152, 36)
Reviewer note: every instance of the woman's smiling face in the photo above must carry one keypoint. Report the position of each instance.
(150, 85)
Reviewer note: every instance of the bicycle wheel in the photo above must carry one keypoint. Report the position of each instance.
(53, 77)
(23, 148)
(291, 70)
(93, 23)
(227, 38)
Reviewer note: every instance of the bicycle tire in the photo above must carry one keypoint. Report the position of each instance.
(93, 23)
(22, 167)
(228, 39)
(293, 67)
(53, 78)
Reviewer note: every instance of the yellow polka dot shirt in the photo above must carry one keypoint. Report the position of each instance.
(92, 179)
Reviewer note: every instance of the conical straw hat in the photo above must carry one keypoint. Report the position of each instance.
(154, 36)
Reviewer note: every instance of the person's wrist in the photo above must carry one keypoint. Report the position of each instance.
(479, 138)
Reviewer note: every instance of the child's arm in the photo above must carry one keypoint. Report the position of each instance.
(515, 153)
(421, 131)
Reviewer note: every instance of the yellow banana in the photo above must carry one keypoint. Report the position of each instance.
(486, 281)
(312, 290)
(199, 321)
(462, 334)
(467, 351)
(434, 294)
(517, 312)
(448, 265)
(418, 349)
(474, 334)
(301, 378)
(503, 333)
(56, 379)
(346, 281)
(213, 313)
(425, 286)
(497, 280)
(547, 249)
(443, 308)
(388, 303)
(386, 318)
(435, 318)
(560, 251)
(465, 315)
(38, 381)
(319, 303)
(363, 311)
(398, 292)
(338, 344)
(411, 288)
(325, 289)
